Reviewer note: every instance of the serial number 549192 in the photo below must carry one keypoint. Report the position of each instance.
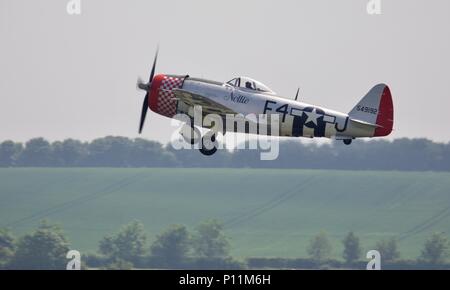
(366, 109)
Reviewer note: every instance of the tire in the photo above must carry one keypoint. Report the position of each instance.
(190, 134)
(209, 144)
(348, 141)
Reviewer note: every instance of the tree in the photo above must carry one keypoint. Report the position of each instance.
(320, 247)
(172, 246)
(44, 249)
(7, 247)
(435, 250)
(127, 245)
(119, 264)
(209, 240)
(37, 152)
(388, 249)
(110, 151)
(69, 153)
(352, 248)
(145, 153)
(9, 152)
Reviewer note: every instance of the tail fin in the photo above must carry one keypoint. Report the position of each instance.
(376, 108)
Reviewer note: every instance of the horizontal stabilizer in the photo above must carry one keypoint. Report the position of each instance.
(365, 123)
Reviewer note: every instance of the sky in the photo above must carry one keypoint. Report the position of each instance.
(74, 76)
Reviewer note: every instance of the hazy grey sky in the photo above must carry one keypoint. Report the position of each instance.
(74, 76)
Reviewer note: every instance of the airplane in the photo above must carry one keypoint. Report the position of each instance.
(169, 95)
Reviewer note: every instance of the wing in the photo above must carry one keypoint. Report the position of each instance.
(208, 106)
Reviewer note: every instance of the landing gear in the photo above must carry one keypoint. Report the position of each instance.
(348, 141)
(190, 134)
(208, 144)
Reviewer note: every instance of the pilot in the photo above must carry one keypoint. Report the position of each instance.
(248, 85)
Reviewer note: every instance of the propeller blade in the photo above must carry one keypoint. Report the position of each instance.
(141, 85)
(154, 65)
(143, 113)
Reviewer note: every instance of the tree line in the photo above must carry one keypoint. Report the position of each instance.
(176, 247)
(206, 247)
(400, 154)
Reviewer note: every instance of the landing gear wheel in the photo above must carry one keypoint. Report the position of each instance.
(347, 141)
(208, 144)
(190, 134)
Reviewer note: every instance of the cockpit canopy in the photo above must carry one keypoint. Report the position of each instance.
(249, 84)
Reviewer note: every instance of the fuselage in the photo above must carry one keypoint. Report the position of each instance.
(296, 119)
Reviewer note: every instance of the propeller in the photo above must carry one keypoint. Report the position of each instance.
(146, 87)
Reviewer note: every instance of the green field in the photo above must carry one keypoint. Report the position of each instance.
(266, 212)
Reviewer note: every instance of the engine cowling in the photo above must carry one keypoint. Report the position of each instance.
(161, 97)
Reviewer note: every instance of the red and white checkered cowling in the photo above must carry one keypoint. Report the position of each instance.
(161, 95)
